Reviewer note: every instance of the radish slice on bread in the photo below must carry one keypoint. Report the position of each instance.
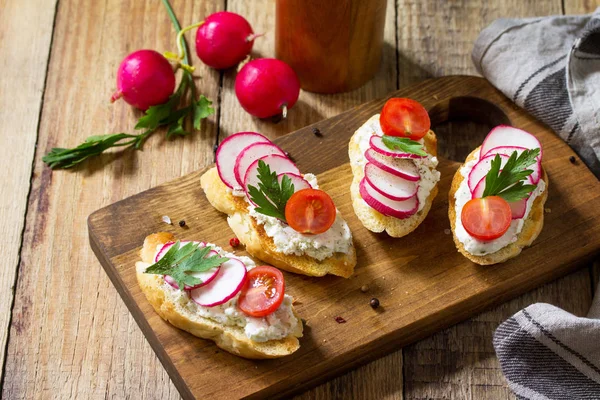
(376, 143)
(386, 206)
(277, 163)
(505, 135)
(250, 154)
(298, 181)
(205, 276)
(228, 282)
(389, 185)
(228, 151)
(508, 150)
(481, 169)
(400, 167)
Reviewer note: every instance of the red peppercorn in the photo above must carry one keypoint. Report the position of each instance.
(234, 242)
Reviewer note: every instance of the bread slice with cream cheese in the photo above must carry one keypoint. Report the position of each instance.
(176, 307)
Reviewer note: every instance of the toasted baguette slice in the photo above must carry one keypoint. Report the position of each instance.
(259, 244)
(531, 227)
(371, 218)
(229, 338)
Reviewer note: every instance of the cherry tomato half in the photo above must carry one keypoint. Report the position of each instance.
(263, 291)
(310, 211)
(405, 118)
(487, 218)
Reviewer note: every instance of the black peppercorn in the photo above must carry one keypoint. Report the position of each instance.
(572, 159)
(374, 303)
(182, 223)
(317, 132)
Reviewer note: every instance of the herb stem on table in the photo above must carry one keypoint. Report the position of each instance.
(168, 115)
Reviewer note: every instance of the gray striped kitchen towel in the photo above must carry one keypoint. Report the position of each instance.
(548, 353)
(550, 66)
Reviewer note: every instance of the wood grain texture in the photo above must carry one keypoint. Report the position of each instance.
(23, 59)
(72, 336)
(421, 291)
(580, 6)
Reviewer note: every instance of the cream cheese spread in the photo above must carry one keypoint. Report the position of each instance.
(478, 247)
(337, 239)
(426, 166)
(275, 326)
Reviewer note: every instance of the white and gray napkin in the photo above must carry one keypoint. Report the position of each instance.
(550, 67)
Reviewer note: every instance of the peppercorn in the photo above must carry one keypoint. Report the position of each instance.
(182, 223)
(234, 242)
(374, 303)
(572, 159)
(340, 320)
(317, 132)
(364, 288)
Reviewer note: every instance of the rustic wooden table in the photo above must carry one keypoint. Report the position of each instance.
(64, 330)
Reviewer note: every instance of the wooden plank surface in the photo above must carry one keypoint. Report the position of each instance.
(23, 59)
(72, 336)
(421, 290)
(46, 361)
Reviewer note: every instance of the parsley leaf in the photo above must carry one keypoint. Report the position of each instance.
(202, 109)
(404, 144)
(271, 197)
(508, 183)
(180, 262)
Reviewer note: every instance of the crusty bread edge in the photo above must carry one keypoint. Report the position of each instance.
(231, 339)
(259, 244)
(531, 227)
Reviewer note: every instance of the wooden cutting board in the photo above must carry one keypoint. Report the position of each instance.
(421, 281)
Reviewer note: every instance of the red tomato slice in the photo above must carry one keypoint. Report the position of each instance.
(263, 291)
(405, 118)
(310, 211)
(487, 218)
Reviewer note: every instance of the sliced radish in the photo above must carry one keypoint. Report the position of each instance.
(228, 283)
(393, 208)
(250, 154)
(482, 168)
(298, 181)
(389, 185)
(228, 151)
(205, 276)
(518, 207)
(398, 166)
(277, 163)
(505, 135)
(376, 143)
(508, 150)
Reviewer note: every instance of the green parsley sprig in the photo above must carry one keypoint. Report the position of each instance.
(271, 196)
(509, 183)
(169, 115)
(404, 144)
(179, 262)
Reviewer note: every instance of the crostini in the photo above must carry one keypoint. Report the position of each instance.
(279, 214)
(393, 160)
(222, 299)
(497, 197)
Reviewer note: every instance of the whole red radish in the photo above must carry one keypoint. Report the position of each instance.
(267, 87)
(145, 78)
(224, 40)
